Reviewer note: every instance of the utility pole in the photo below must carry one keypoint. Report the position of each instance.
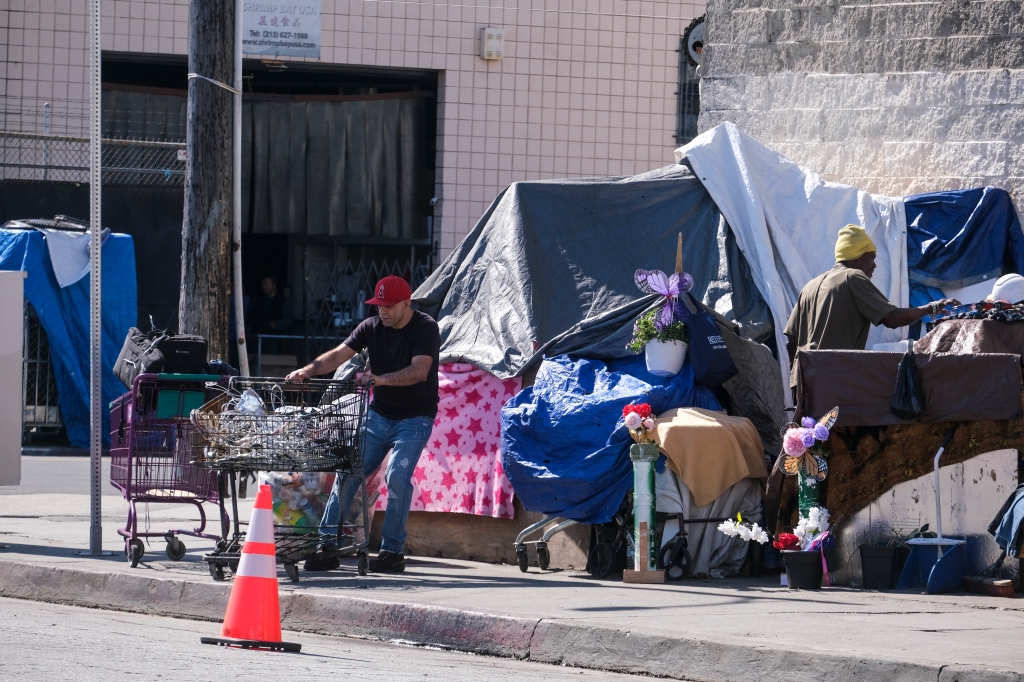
(206, 235)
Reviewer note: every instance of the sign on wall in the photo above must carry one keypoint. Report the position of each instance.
(281, 28)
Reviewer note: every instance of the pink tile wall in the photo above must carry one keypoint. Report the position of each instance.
(586, 87)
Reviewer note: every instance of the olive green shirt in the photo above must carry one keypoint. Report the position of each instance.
(835, 311)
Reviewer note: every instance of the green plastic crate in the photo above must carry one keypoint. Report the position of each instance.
(172, 403)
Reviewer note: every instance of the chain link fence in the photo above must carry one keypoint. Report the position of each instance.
(48, 141)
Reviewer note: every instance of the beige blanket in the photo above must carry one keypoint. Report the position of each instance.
(709, 451)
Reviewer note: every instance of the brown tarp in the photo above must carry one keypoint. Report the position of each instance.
(957, 387)
(973, 336)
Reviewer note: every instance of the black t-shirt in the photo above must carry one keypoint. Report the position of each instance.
(393, 349)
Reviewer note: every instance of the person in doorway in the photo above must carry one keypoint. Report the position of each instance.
(835, 310)
(270, 313)
(403, 345)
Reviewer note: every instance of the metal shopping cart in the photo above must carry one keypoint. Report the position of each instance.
(150, 460)
(262, 424)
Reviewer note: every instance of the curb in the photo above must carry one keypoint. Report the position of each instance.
(535, 639)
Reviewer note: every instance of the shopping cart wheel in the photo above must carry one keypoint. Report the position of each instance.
(363, 563)
(602, 558)
(293, 572)
(523, 559)
(216, 571)
(175, 548)
(543, 557)
(134, 551)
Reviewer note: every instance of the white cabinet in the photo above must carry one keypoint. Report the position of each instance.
(12, 312)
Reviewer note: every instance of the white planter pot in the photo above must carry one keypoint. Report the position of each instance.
(665, 358)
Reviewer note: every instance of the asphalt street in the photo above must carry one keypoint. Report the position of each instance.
(53, 642)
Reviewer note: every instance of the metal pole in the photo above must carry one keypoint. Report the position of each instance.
(236, 181)
(95, 321)
(46, 143)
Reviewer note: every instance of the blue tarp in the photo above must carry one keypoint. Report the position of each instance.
(959, 238)
(64, 314)
(564, 446)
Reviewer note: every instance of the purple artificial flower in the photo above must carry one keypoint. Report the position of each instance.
(685, 282)
(807, 436)
(808, 422)
(820, 432)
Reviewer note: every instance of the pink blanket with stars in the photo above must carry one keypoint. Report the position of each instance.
(460, 470)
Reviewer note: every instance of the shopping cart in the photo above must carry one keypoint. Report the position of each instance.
(150, 460)
(262, 424)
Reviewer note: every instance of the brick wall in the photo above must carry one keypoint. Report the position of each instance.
(587, 87)
(897, 97)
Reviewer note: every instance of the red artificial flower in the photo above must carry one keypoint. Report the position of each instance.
(786, 541)
(642, 409)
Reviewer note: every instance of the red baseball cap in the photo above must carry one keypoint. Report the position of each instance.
(391, 290)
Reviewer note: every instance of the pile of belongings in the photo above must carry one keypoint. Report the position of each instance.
(998, 312)
(239, 429)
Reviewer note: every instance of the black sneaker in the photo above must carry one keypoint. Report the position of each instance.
(388, 562)
(323, 561)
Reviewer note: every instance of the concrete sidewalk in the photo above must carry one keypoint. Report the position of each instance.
(697, 630)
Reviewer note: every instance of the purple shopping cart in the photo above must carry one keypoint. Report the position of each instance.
(150, 460)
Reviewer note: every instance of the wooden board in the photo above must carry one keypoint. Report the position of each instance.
(643, 577)
(481, 538)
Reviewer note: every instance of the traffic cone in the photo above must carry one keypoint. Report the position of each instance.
(253, 618)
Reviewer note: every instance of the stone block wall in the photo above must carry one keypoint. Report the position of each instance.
(894, 96)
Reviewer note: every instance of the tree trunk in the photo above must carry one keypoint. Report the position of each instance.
(205, 298)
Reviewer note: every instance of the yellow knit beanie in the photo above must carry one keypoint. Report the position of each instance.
(853, 243)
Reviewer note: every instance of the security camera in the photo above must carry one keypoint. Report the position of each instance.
(433, 201)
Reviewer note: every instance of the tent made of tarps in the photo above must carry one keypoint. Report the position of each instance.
(549, 269)
(64, 315)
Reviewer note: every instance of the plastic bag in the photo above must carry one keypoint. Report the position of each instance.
(908, 398)
(712, 363)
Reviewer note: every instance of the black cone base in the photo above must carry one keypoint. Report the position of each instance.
(251, 644)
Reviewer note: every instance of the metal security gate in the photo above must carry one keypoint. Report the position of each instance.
(335, 295)
(38, 385)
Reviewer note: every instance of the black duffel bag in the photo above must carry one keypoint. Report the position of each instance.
(156, 352)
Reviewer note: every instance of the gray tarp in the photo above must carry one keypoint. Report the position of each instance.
(549, 267)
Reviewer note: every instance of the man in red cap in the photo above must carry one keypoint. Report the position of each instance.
(403, 345)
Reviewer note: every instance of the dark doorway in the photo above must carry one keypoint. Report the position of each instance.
(262, 255)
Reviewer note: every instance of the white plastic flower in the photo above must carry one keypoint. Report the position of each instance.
(729, 527)
(818, 518)
(758, 534)
(633, 420)
(649, 424)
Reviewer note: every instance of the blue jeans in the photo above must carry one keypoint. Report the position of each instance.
(405, 439)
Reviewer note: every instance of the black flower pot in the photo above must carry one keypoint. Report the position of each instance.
(803, 570)
(881, 566)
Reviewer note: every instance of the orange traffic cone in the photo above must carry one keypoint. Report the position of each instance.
(253, 618)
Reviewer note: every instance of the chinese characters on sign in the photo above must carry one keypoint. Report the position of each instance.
(281, 29)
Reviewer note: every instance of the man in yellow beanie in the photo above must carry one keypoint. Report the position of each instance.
(835, 310)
